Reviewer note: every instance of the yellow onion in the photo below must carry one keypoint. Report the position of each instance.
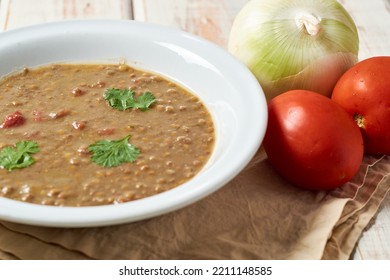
(297, 44)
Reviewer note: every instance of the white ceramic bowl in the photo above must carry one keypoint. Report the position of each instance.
(229, 90)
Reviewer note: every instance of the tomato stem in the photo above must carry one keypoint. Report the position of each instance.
(359, 120)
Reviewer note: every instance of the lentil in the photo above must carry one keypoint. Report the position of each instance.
(176, 136)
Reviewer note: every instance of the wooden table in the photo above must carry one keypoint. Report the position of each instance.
(212, 20)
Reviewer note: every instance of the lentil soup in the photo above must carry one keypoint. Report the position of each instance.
(63, 110)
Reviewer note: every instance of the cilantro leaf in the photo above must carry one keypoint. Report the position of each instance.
(144, 101)
(111, 153)
(120, 99)
(19, 156)
(123, 99)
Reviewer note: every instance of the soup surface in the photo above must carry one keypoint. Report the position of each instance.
(63, 111)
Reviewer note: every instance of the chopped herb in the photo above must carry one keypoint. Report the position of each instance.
(144, 101)
(123, 99)
(18, 156)
(111, 153)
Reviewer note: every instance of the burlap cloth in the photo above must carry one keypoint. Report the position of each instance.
(256, 216)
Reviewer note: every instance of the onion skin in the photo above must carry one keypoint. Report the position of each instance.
(298, 44)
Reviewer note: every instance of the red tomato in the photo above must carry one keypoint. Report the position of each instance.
(12, 120)
(311, 141)
(364, 92)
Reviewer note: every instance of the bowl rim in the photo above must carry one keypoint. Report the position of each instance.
(91, 216)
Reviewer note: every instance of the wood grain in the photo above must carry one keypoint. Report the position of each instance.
(374, 243)
(372, 19)
(18, 13)
(209, 19)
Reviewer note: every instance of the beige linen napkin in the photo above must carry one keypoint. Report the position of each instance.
(256, 216)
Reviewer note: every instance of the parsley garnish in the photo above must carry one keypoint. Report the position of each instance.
(111, 153)
(18, 156)
(123, 99)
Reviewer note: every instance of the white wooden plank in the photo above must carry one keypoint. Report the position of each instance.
(375, 240)
(372, 19)
(211, 20)
(18, 13)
